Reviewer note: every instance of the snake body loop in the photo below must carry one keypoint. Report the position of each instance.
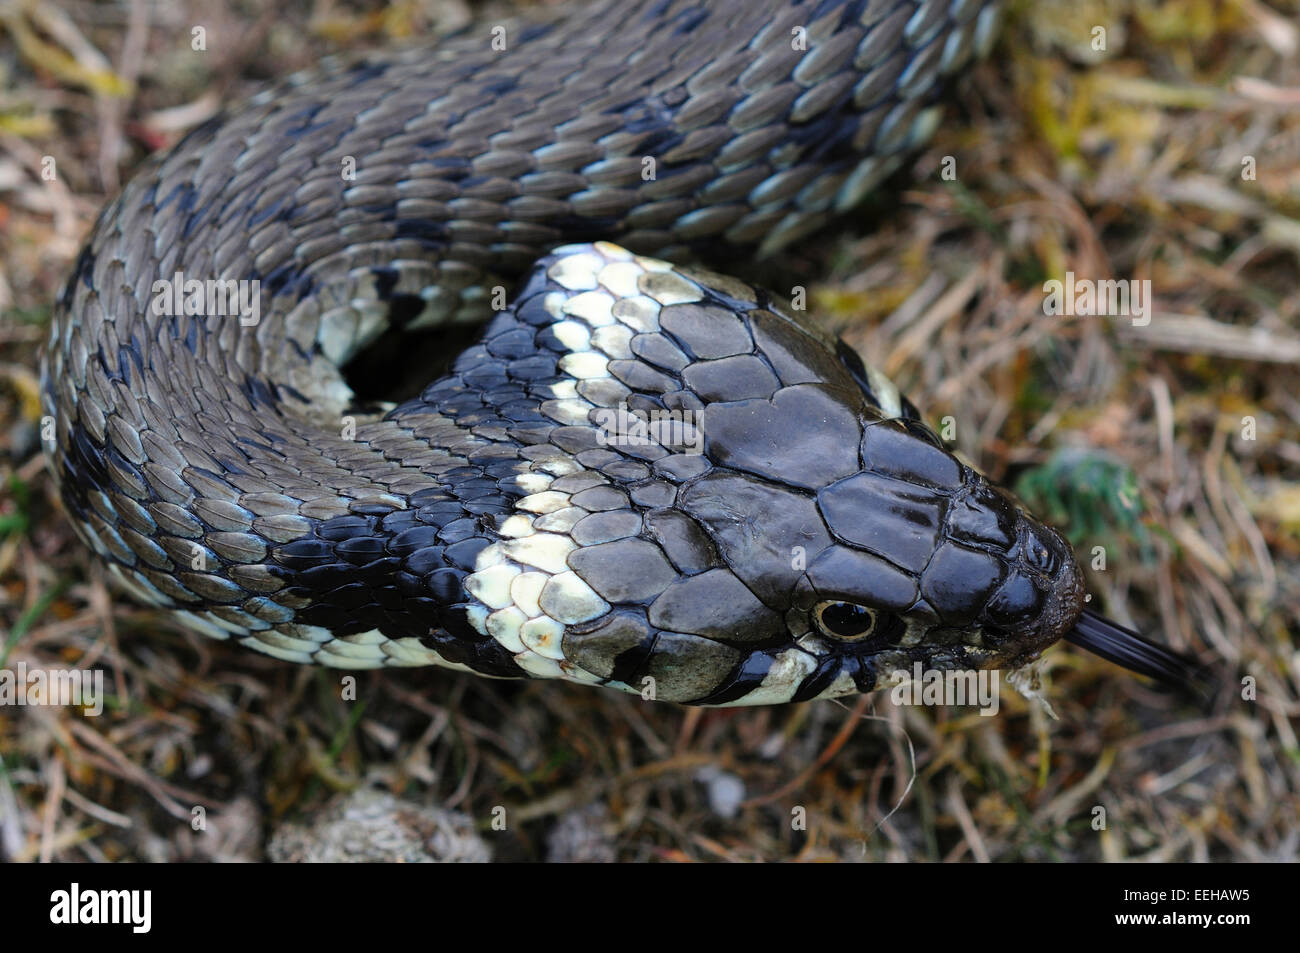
(641, 474)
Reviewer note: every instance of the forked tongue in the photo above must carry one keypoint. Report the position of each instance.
(1124, 647)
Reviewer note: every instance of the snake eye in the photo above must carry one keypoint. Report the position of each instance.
(844, 620)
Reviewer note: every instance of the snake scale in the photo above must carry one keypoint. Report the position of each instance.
(640, 471)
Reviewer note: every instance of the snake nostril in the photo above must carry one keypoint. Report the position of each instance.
(1041, 549)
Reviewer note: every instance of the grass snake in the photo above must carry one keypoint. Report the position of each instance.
(640, 471)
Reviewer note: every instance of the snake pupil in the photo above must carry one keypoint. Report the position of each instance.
(846, 620)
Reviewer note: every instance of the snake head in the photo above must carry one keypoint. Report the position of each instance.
(748, 513)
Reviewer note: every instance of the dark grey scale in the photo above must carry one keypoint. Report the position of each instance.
(458, 403)
(501, 470)
(81, 466)
(624, 571)
(597, 458)
(795, 355)
(642, 377)
(716, 605)
(840, 573)
(492, 505)
(656, 349)
(606, 527)
(653, 494)
(756, 435)
(958, 581)
(892, 450)
(601, 498)
(626, 471)
(536, 367)
(742, 377)
(683, 401)
(706, 332)
(518, 342)
(645, 403)
(477, 418)
(683, 540)
(477, 488)
(573, 439)
(515, 405)
(906, 518)
(577, 482)
(648, 452)
(458, 530)
(681, 467)
(764, 532)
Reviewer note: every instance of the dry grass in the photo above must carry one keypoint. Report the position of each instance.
(1127, 163)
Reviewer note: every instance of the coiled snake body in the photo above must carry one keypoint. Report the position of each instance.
(640, 471)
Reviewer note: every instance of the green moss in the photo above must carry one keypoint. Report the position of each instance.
(1089, 496)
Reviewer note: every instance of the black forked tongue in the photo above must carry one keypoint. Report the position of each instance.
(1123, 646)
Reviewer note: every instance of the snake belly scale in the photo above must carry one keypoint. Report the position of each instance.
(796, 533)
